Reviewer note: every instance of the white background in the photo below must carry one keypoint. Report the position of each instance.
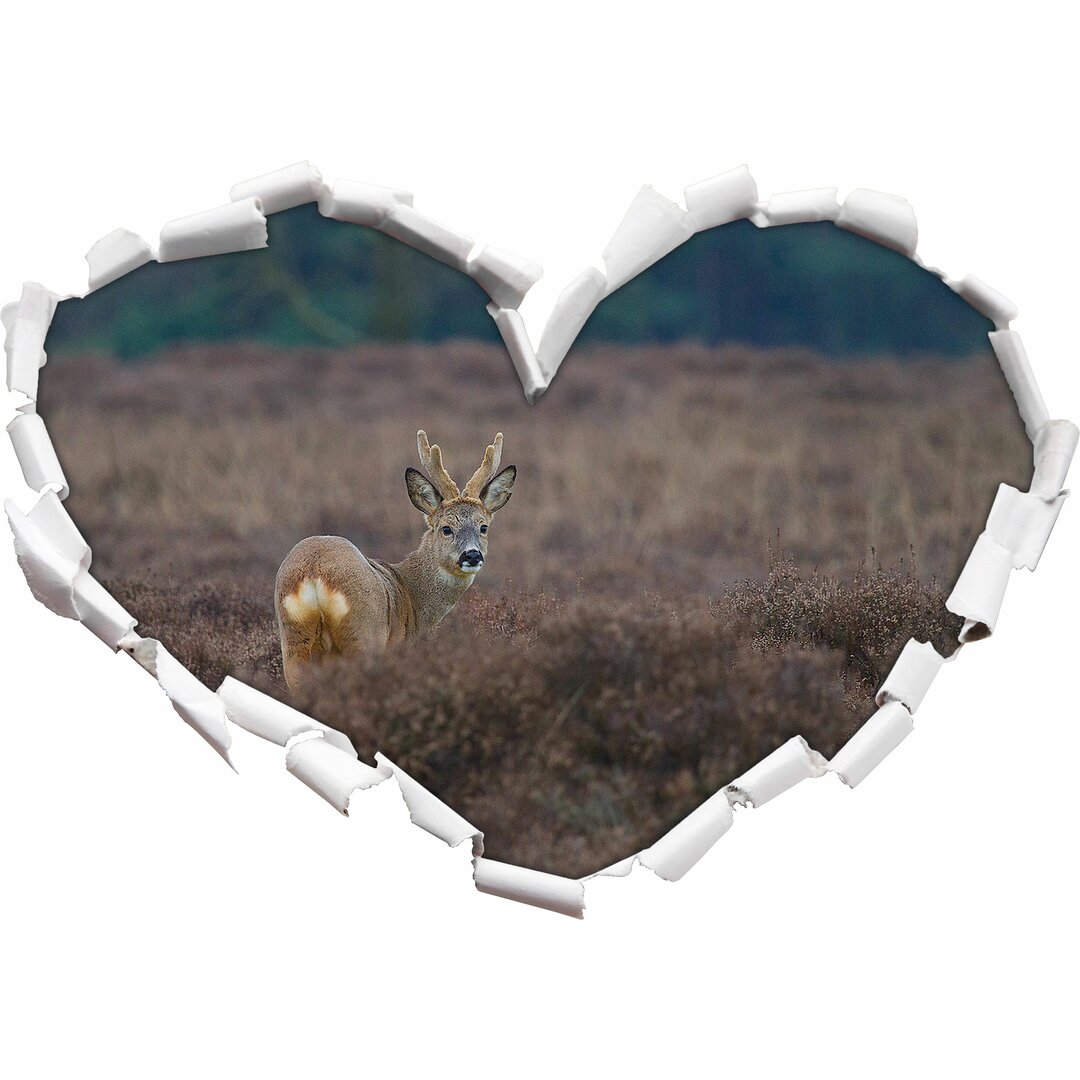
(163, 915)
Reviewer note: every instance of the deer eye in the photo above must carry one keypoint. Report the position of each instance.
(483, 530)
(447, 531)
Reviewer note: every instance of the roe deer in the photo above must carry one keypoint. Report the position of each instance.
(330, 598)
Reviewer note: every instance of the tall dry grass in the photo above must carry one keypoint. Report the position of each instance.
(664, 468)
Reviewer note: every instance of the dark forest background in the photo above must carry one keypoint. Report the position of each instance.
(326, 283)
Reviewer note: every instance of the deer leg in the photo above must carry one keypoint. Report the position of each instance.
(300, 643)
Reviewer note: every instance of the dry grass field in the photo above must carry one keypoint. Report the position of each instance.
(707, 551)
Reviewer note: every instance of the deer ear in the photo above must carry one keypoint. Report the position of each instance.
(496, 493)
(425, 496)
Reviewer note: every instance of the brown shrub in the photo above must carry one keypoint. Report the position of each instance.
(574, 731)
(213, 629)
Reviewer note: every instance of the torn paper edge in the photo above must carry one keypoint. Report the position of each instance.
(27, 322)
(652, 227)
(430, 813)
(332, 773)
(797, 207)
(273, 720)
(999, 309)
(194, 702)
(872, 743)
(237, 226)
(36, 454)
(915, 669)
(1021, 522)
(1053, 448)
(685, 844)
(566, 896)
(1013, 360)
(980, 589)
(721, 199)
(504, 277)
(511, 326)
(571, 311)
(408, 225)
(786, 766)
(886, 219)
(117, 254)
(361, 204)
(56, 559)
(283, 189)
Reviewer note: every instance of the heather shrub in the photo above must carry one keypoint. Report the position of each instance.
(576, 730)
(214, 628)
(864, 618)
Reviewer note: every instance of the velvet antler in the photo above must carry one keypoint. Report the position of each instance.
(488, 468)
(431, 459)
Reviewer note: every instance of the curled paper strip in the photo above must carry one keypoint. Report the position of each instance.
(37, 457)
(1012, 357)
(624, 866)
(331, 773)
(999, 309)
(27, 323)
(117, 254)
(430, 813)
(282, 189)
(237, 226)
(1021, 522)
(273, 720)
(196, 704)
(518, 345)
(980, 588)
(504, 277)
(575, 304)
(651, 228)
(886, 219)
(50, 517)
(1055, 445)
(55, 561)
(563, 895)
(362, 204)
(911, 675)
(99, 612)
(49, 573)
(774, 774)
(727, 197)
(794, 207)
(872, 743)
(413, 228)
(679, 849)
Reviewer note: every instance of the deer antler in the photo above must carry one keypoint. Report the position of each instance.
(431, 459)
(488, 468)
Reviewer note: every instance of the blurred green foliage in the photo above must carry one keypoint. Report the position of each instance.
(324, 282)
(812, 284)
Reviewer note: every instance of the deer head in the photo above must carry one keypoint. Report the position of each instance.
(458, 520)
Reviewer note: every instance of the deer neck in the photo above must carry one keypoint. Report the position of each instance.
(432, 589)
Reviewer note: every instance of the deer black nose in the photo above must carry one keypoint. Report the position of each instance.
(472, 557)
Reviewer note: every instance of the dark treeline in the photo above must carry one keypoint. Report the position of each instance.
(322, 282)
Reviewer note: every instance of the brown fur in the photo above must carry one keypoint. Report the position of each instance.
(330, 599)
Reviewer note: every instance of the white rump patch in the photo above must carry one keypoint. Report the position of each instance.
(312, 598)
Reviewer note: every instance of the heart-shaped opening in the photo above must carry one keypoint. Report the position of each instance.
(733, 511)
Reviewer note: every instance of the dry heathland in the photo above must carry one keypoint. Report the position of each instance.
(708, 551)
